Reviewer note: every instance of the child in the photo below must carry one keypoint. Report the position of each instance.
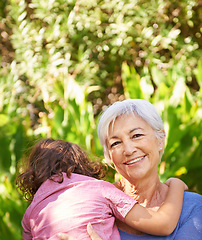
(60, 181)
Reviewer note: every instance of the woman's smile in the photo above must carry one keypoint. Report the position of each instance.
(135, 160)
(133, 147)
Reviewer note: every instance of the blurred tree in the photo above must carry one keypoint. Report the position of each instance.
(63, 61)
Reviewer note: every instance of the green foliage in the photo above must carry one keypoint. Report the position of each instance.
(11, 209)
(91, 39)
(64, 60)
(181, 112)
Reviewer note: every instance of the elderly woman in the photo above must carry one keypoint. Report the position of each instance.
(132, 135)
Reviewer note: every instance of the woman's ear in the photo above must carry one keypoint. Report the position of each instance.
(162, 136)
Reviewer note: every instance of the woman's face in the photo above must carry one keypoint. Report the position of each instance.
(133, 147)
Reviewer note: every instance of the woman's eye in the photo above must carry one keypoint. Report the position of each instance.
(114, 144)
(137, 135)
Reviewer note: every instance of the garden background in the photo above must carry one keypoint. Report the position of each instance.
(63, 61)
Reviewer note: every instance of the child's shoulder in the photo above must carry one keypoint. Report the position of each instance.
(80, 177)
(90, 180)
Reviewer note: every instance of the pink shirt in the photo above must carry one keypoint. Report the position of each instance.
(69, 206)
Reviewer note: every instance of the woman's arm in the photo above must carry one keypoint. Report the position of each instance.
(163, 221)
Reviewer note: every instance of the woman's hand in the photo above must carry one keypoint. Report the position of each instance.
(64, 236)
(173, 180)
(92, 233)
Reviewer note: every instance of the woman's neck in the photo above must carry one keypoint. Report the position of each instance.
(148, 193)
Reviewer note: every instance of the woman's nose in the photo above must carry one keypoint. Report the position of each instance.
(128, 149)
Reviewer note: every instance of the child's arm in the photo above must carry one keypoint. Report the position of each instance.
(163, 221)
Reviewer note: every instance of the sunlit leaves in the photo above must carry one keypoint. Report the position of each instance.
(181, 112)
(68, 59)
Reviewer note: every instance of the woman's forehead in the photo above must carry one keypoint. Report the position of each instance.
(127, 122)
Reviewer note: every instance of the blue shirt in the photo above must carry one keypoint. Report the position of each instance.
(189, 226)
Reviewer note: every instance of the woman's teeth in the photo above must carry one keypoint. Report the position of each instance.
(134, 161)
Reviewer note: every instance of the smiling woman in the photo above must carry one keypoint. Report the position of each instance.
(135, 149)
(132, 135)
(136, 107)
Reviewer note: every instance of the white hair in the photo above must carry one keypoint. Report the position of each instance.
(140, 107)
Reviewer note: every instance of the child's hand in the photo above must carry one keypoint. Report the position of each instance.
(175, 181)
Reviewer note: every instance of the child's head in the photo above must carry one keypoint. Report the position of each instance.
(52, 157)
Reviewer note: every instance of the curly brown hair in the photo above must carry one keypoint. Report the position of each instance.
(52, 157)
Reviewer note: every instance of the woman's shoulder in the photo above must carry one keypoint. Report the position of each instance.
(192, 198)
(191, 201)
(192, 204)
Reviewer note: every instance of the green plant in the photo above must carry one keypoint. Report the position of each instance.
(181, 111)
(63, 61)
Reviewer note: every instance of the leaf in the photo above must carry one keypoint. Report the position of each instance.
(4, 119)
(131, 82)
(199, 74)
(157, 76)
